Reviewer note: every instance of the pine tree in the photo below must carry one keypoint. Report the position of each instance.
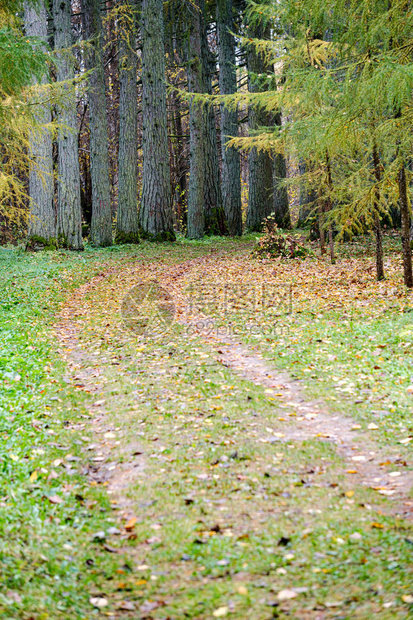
(156, 216)
(69, 216)
(101, 224)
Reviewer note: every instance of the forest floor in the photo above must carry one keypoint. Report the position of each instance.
(188, 432)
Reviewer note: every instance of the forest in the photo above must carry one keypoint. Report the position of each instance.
(206, 309)
(129, 120)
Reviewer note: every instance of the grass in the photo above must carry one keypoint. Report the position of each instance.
(225, 519)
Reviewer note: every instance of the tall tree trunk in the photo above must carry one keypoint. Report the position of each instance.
(231, 170)
(281, 204)
(405, 213)
(101, 225)
(215, 223)
(260, 178)
(196, 214)
(69, 214)
(377, 225)
(307, 197)
(320, 221)
(181, 163)
(127, 224)
(42, 217)
(329, 207)
(156, 217)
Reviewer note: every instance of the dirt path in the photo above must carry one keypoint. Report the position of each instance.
(308, 420)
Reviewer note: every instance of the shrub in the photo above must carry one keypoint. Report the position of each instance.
(274, 243)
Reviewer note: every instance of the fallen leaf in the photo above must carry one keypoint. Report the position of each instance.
(98, 602)
(286, 595)
(130, 524)
(54, 499)
(220, 612)
(407, 598)
(14, 596)
(127, 606)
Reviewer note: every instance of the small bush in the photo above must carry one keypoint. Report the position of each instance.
(274, 243)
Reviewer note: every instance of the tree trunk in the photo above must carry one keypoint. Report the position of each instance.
(69, 214)
(156, 217)
(101, 225)
(215, 223)
(405, 213)
(231, 171)
(260, 178)
(281, 204)
(196, 214)
(377, 225)
(328, 208)
(127, 223)
(321, 230)
(181, 162)
(42, 217)
(306, 198)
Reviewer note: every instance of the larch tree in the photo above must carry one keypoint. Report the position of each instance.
(231, 170)
(42, 217)
(281, 207)
(69, 215)
(127, 224)
(155, 216)
(260, 165)
(101, 224)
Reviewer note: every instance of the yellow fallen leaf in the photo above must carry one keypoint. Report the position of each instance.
(33, 476)
(407, 598)
(349, 493)
(377, 526)
(286, 595)
(129, 525)
(220, 612)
